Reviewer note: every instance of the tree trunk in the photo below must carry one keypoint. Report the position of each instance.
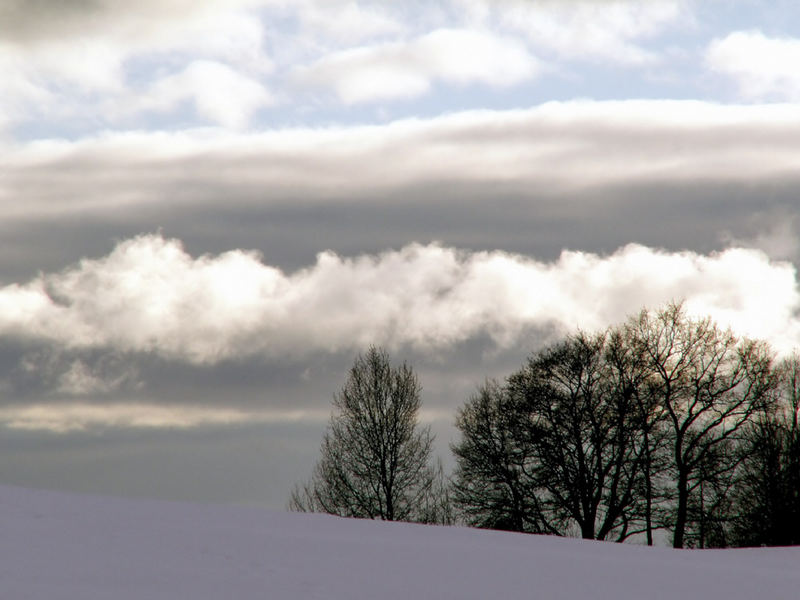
(587, 531)
(683, 507)
(648, 483)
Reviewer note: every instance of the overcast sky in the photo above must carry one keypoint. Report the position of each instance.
(208, 208)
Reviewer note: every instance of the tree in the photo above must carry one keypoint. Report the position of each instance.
(492, 485)
(636, 429)
(710, 385)
(629, 372)
(558, 448)
(586, 437)
(767, 498)
(375, 456)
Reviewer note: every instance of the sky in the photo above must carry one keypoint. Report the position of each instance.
(208, 208)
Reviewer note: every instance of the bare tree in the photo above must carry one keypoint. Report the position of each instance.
(622, 433)
(375, 456)
(767, 498)
(710, 384)
(558, 449)
(586, 435)
(629, 375)
(492, 485)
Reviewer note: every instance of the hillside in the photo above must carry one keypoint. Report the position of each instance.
(57, 546)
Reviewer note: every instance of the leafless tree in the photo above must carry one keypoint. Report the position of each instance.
(557, 449)
(625, 432)
(375, 457)
(492, 485)
(710, 384)
(767, 495)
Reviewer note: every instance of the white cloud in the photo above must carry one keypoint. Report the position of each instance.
(762, 67)
(345, 21)
(236, 38)
(219, 94)
(84, 60)
(19, 96)
(92, 65)
(45, 80)
(590, 30)
(149, 295)
(406, 70)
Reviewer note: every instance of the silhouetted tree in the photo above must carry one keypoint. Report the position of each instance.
(767, 497)
(492, 485)
(652, 425)
(630, 376)
(558, 449)
(710, 513)
(710, 384)
(375, 459)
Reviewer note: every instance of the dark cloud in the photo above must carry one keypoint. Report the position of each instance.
(249, 464)
(698, 216)
(242, 463)
(590, 176)
(22, 20)
(32, 21)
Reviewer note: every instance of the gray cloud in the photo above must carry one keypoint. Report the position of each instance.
(36, 19)
(558, 149)
(42, 20)
(91, 444)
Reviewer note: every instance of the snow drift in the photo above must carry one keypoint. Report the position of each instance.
(57, 546)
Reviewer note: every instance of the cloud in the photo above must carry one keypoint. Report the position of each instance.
(407, 70)
(37, 81)
(589, 30)
(79, 380)
(149, 295)
(555, 148)
(66, 418)
(219, 94)
(41, 21)
(82, 379)
(345, 21)
(779, 241)
(81, 60)
(763, 68)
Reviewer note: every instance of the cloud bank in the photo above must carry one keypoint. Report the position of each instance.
(150, 295)
(557, 147)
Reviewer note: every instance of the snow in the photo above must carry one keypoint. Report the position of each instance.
(56, 546)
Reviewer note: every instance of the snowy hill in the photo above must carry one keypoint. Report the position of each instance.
(57, 546)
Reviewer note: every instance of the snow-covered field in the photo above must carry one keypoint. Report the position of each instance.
(57, 546)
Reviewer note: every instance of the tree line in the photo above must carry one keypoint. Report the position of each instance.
(664, 425)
